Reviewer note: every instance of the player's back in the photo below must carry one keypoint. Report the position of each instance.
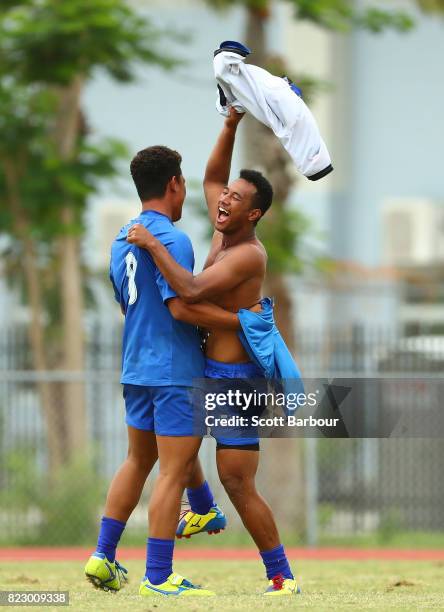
(154, 343)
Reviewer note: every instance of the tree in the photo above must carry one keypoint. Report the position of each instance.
(282, 231)
(48, 167)
(261, 148)
(431, 6)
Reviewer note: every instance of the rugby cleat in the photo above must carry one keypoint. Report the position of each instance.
(191, 523)
(282, 586)
(175, 585)
(105, 575)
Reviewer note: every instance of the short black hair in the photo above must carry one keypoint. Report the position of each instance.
(152, 168)
(264, 191)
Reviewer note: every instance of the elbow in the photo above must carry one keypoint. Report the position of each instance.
(191, 294)
(177, 316)
(176, 309)
(190, 297)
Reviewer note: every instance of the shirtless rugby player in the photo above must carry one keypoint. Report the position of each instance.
(232, 278)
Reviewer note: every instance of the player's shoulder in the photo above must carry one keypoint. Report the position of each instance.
(179, 233)
(164, 230)
(123, 232)
(261, 249)
(180, 237)
(250, 256)
(253, 249)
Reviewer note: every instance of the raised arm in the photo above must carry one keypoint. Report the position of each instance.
(217, 172)
(239, 264)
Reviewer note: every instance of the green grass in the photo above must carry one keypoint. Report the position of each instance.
(366, 585)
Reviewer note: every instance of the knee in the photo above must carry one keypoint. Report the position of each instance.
(177, 474)
(142, 463)
(236, 485)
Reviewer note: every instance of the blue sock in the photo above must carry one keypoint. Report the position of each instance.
(109, 536)
(159, 559)
(276, 562)
(201, 499)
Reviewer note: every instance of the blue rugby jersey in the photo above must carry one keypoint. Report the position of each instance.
(157, 350)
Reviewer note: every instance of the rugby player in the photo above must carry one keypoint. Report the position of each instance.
(161, 358)
(232, 278)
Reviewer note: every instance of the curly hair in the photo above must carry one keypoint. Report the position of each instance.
(152, 168)
(264, 191)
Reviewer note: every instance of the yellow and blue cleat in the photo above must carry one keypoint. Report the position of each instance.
(191, 523)
(280, 586)
(175, 585)
(105, 575)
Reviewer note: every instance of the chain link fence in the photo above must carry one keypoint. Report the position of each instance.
(57, 460)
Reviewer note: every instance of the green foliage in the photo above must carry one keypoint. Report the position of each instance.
(70, 508)
(343, 15)
(281, 235)
(45, 47)
(431, 6)
(52, 42)
(8, 4)
(226, 4)
(340, 15)
(46, 181)
(21, 487)
(376, 20)
(66, 513)
(25, 114)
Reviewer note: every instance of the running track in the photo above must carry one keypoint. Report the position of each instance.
(230, 554)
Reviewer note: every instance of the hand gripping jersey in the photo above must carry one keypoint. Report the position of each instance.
(157, 350)
(275, 102)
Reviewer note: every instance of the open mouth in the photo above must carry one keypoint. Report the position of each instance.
(222, 214)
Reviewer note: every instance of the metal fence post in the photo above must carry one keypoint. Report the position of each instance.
(311, 483)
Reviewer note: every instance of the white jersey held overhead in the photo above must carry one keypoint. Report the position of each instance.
(274, 102)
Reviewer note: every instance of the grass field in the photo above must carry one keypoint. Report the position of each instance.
(342, 585)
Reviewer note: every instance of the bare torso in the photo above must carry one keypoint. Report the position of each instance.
(224, 345)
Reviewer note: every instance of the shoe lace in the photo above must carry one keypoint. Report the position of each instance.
(121, 571)
(278, 582)
(185, 509)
